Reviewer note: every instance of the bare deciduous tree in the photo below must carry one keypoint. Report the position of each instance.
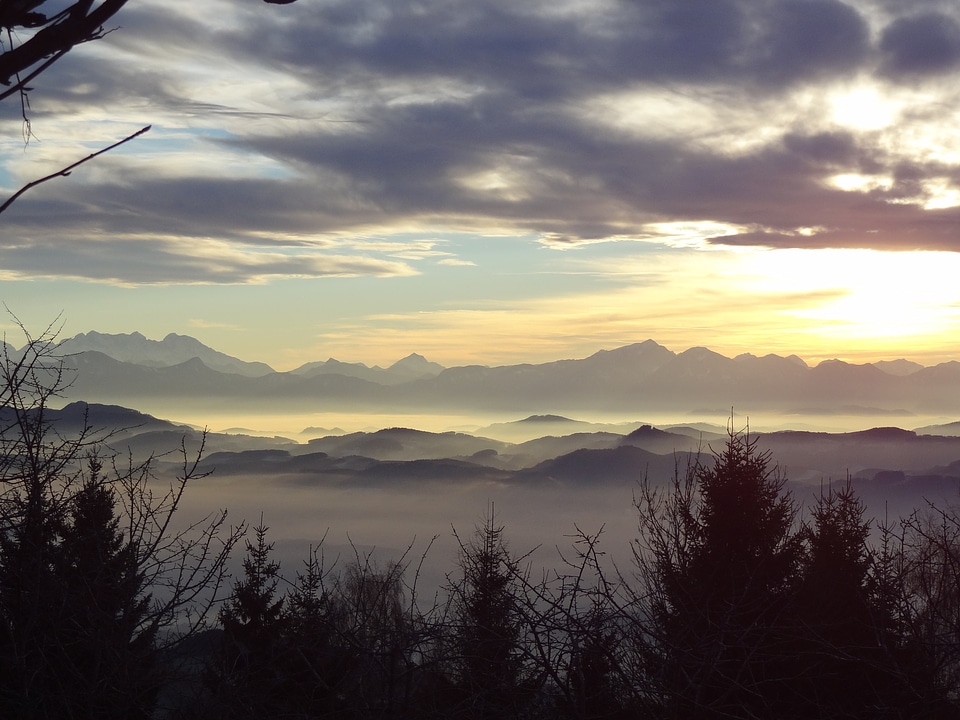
(84, 536)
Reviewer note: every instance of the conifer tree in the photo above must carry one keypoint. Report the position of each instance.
(83, 648)
(111, 659)
(249, 682)
(718, 554)
(315, 666)
(83, 546)
(845, 663)
(489, 667)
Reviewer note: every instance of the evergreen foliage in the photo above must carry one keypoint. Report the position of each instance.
(74, 603)
(85, 548)
(106, 603)
(488, 659)
(251, 684)
(719, 558)
(847, 664)
(741, 612)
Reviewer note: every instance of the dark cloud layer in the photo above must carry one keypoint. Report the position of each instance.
(472, 115)
(509, 45)
(921, 45)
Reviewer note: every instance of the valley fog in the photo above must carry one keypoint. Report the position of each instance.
(388, 522)
(293, 425)
(397, 513)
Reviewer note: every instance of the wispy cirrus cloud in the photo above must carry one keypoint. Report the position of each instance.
(166, 260)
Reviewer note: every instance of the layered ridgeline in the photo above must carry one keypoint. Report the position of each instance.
(894, 470)
(636, 378)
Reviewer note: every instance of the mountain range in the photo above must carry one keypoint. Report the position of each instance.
(640, 377)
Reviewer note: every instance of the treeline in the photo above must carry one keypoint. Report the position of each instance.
(734, 605)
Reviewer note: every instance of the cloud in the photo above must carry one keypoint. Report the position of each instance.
(170, 260)
(768, 43)
(927, 44)
(808, 39)
(580, 123)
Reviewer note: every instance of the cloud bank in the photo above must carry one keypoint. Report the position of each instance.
(281, 131)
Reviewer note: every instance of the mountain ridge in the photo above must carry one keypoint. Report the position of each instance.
(174, 349)
(639, 376)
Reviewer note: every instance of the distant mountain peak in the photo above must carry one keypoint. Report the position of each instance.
(633, 348)
(94, 335)
(646, 431)
(416, 366)
(700, 353)
(176, 337)
(413, 359)
(641, 375)
(899, 367)
(770, 358)
(884, 434)
(173, 350)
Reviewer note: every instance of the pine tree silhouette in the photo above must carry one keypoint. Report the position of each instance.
(723, 557)
(489, 663)
(249, 680)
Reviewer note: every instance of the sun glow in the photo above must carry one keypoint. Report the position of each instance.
(869, 296)
(853, 182)
(864, 108)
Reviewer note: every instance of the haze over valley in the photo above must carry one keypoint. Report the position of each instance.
(407, 451)
(180, 378)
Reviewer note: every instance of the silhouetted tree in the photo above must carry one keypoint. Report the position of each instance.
(93, 578)
(577, 627)
(717, 555)
(251, 682)
(591, 672)
(109, 649)
(38, 33)
(317, 668)
(923, 578)
(488, 628)
(846, 657)
(375, 636)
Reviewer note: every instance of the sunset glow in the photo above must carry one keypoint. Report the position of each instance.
(366, 184)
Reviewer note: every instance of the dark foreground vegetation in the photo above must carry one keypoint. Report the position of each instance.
(735, 605)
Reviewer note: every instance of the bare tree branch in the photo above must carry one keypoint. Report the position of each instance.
(79, 23)
(65, 172)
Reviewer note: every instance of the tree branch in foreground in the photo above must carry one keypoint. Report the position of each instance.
(67, 170)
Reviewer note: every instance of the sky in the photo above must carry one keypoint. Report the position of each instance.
(494, 182)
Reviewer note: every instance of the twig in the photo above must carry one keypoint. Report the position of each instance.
(67, 170)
